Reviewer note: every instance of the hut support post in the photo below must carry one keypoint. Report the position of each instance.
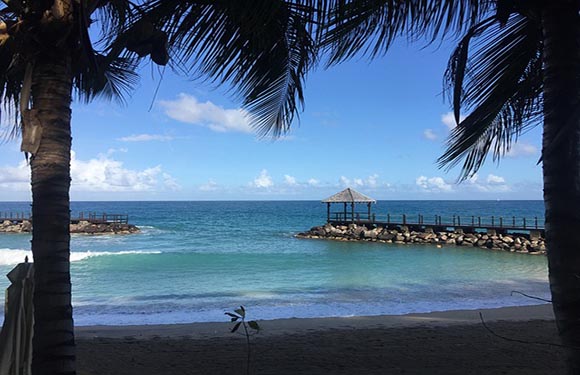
(369, 207)
(345, 219)
(328, 212)
(352, 211)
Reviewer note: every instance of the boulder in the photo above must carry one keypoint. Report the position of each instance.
(369, 234)
(507, 239)
(386, 236)
(26, 226)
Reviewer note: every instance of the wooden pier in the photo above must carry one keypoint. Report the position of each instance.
(349, 198)
(91, 217)
(437, 223)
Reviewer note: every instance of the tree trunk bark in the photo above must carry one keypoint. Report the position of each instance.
(53, 343)
(561, 168)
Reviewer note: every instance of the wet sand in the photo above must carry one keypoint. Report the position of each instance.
(453, 342)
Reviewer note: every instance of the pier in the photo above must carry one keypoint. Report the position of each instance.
(438, 223)
(513, 234)
(90, 217)
(83, 222)
(492, 225)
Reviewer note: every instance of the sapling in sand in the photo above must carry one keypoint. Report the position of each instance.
(250, 329)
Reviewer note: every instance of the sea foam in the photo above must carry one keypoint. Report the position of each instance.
(14, 256)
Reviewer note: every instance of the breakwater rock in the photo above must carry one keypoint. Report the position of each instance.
(520, 242)
(86, 227)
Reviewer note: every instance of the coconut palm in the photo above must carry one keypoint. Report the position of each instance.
(261, 48)
(516, 66)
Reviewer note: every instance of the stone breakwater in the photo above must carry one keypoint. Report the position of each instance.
(86, 227)
(521, 243)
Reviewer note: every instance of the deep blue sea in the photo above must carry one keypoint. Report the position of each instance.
(194, 260)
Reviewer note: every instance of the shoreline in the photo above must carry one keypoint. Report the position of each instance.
(300, 325)
(450, 342)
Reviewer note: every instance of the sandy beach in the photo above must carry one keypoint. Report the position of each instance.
(452, 342)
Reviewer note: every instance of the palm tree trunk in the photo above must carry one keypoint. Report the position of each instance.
(561, 168)
(53, 345)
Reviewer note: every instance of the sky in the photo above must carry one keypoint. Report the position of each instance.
(375, 126)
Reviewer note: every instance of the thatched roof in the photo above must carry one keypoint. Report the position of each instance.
(349, 195)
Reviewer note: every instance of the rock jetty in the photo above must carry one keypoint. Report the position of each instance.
(83, 226)
(521, 243)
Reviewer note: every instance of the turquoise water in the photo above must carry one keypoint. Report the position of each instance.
(194, 260)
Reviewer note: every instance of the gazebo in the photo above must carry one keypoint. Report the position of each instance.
(347, 196)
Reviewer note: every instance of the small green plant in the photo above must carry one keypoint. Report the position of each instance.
(250, 327)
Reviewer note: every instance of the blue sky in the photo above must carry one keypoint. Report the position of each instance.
(375, 126)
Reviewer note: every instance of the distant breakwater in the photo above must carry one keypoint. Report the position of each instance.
(82, 226)
(513, 242)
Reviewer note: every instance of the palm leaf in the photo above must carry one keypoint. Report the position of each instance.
(11, 76)
(500, 84)
(263, 49)
(113, 17)
(370, 26)
(111, 73)
(109, 77)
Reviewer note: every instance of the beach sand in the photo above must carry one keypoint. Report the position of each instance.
(452, 342)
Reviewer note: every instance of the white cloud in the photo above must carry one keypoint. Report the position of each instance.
(343, 181)
(112, 151)
(429, 134)
(290, 180)
(211, 185)
(170, 182)
(491, 184)
(372, 181)
(473, 179)
(263, 180)
(448, 119)
(495, 180)
(145, 138)
(104, 174)
(15, 178)
(313, 182)
(188, 109)
(521, 149)
(433, 184)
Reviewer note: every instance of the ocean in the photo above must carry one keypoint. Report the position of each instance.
(192, 261)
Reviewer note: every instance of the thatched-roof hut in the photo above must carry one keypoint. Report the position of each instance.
(347, 196)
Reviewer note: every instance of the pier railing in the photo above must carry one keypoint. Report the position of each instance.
(91, 217)
(11, 216)
(103, 218)
(502, 223)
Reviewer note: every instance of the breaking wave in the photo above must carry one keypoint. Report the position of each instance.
(14, 256)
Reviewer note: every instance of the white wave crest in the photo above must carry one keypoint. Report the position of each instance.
(12, 257)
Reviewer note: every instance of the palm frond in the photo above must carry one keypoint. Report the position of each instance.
(110, 77)
(500, 84)
(263, 49)
(113, 17)
(11, 77)
(370, 26)
(111, 72)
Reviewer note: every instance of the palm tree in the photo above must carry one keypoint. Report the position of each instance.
(516, 66)
(262, 48)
